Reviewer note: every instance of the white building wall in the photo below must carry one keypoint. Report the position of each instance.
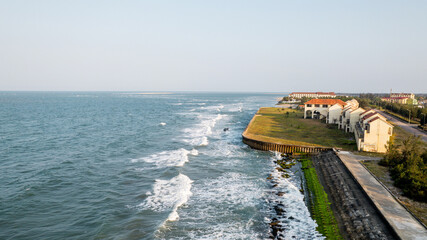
(354, 118)
(334, 114)
(376, 139)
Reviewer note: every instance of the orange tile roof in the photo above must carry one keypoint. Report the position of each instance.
(326, 101)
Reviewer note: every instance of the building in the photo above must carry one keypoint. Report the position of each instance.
(312, 95)
(334, 113)
(354, 118)
(401, 100)
(405, 95)
(345, 117)
(372, 132)
(319, 108)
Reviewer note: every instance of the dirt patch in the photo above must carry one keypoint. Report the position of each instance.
(357, 217)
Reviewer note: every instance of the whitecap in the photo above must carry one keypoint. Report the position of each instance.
(197, 136)
(213, 206)
(168, 158)
(163, 124)
(169, 195)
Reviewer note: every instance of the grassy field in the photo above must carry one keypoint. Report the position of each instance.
(319, 203)
(287, 126)
(400, 134)
(382, 173)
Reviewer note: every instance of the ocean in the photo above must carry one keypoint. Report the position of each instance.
(108, 165)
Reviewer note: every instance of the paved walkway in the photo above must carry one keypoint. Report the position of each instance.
(411, 128)
(405, 225)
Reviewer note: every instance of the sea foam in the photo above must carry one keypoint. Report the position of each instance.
(168, 158)
(301, 225)
(169, 195)
(216, 204)
(197, 136)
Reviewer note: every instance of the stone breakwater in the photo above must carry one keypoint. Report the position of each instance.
(356, 215)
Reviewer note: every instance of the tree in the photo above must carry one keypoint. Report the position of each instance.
(407, 164)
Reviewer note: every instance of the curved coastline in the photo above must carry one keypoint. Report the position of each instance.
(267, 143)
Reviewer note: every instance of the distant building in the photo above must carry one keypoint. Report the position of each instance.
(401, 100)
(405, 95)
(312, 95)
(319, 108)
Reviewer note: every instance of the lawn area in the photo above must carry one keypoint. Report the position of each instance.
(287, 126)
(382, 173)
(400, 135)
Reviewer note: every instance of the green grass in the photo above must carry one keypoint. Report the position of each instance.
(400, 135)
(319, 203)
(287, 126)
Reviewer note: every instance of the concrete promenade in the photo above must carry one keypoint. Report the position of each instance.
(404, 224)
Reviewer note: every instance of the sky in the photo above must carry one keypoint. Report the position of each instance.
(231, 45)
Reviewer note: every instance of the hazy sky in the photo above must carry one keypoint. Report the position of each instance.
(178, 45)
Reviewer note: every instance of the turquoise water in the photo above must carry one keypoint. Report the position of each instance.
(132, 166)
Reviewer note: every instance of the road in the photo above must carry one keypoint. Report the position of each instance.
(405, 126)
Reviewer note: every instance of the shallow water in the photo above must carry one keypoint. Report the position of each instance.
(129, 166)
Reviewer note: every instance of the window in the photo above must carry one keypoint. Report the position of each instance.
(325, 106)
(308, 105)
(317, 105)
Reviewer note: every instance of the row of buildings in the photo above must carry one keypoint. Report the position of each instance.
(402, 98)
(371, 130)
(298, 95)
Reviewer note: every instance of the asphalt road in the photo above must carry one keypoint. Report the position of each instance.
(405, 126)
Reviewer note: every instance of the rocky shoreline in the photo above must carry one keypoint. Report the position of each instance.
(356, 216)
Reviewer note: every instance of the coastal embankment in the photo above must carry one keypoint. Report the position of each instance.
(259, 136)
(284, 130)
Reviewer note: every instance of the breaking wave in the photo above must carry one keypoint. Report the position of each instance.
(168, 158)
(169, 195)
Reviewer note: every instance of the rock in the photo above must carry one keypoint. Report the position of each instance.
(274, 223)
(279, 211)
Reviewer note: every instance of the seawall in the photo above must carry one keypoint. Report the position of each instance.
(254, 142)
(283, 148)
